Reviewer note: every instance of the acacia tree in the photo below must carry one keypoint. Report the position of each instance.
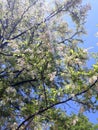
(41, 64)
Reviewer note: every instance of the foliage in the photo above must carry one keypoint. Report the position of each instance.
(41, 64)
(72, 122)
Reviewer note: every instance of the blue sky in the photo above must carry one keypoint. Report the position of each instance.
(92, 21)
(91, 41)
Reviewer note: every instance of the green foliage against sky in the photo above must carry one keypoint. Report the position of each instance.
(72, 122)
(41, 64)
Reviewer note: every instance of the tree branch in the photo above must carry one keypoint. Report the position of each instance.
(51, 15)
(23, 82)
(5, 54)
(45, 94)
(25, 11)
(58, 103)
(70, 38)
(19, 72)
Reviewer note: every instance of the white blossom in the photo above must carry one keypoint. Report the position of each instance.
(52, 76)
(72, 95)
(75, 120)
(92, 79)
(10, 90)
